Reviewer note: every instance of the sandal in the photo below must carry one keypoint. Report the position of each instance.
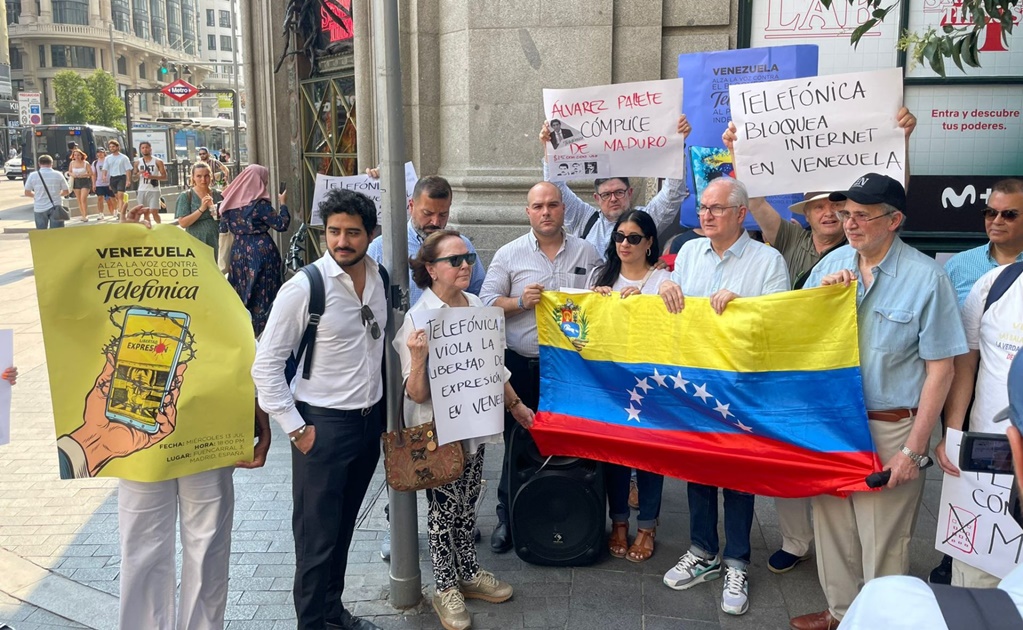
(618, 543)
(643, 547)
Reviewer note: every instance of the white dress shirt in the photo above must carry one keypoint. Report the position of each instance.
(522, 262)
(907, 603)
(747, 268)
(421, 413)
(346, 362)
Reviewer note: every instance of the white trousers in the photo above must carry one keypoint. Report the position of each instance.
(147, 513)
(795, 524)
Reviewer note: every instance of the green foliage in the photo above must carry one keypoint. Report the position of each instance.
(73, 102)
(958, 43)
(109, 106)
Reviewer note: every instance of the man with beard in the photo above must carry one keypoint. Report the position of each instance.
(333, 417)
(428, 211)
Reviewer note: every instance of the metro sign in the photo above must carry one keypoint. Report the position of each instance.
(180, 90)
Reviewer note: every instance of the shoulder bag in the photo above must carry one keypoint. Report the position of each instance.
(414, 461)
(57, 211)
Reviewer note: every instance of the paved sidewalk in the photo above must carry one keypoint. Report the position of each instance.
(59, 546)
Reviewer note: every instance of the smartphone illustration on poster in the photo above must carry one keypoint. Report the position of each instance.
(144, 365)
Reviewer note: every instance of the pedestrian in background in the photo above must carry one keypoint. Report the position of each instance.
(83, 181)
(196, 209)
(47, 188)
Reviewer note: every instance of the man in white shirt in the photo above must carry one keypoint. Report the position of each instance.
(334, 417)
(37, 184)
(906, 603)
(723, 266)
(982, 373)
(544, 258)
(149, 171)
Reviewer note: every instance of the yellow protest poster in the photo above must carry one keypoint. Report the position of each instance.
(148, 350)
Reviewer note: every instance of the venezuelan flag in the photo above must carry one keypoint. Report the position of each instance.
(766, 398)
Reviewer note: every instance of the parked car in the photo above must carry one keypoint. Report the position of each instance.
(12, 168)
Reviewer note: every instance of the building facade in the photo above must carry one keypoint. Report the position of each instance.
(221, 45)
(132, 39)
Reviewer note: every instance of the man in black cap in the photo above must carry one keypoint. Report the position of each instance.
(909, 331)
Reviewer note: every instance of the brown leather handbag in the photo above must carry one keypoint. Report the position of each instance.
(414, 461)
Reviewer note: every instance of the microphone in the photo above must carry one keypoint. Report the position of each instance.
(880, 479)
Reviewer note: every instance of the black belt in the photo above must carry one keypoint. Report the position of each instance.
(327, 412)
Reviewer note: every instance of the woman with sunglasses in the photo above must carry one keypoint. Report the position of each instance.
(629, 270)
(443, 269)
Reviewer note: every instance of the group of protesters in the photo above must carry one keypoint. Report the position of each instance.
(920, 358)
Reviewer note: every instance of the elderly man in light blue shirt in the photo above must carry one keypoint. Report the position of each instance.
(428, 212)
(909, 331)
(723, 266)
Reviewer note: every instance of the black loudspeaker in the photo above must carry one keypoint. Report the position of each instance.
(557, 506)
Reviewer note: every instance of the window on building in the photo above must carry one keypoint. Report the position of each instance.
(175, 36)
(121, 12)
(71, 11)
(45, 89)
(225, 42)
(144, 102)
(158, 20)
(188, 26)
(142, 71)
(17, 85)
(14, 11)
(140, 18)
(211, 17)
(225, 19)
(227, 67)
(122, 65)
(16, 62)
(211, 42)
(72, 56)
(42, 56)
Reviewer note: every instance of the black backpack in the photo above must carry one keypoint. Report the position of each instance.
(977, 608)
(1002, 283)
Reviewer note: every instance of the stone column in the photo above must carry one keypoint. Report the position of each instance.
(45, 11)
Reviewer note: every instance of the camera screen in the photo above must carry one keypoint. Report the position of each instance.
(986, 454)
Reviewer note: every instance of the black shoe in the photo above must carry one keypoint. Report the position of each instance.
(348, 621)
(500, 540)
(942, 574)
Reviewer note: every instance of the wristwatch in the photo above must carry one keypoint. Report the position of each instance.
(919, 460)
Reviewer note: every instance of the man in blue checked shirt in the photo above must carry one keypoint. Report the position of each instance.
(1005, 238)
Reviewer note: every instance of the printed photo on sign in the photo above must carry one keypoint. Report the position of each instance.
(632, 126)
(832, 128)
(709, 163)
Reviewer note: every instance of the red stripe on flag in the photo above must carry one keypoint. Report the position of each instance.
(742, 462)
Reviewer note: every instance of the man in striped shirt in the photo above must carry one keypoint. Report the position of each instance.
(546, 258)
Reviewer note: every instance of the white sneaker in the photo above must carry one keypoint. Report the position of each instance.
(692, 570)
(735, 595)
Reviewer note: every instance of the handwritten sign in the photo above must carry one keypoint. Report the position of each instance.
(818, 133)
(622, 130)
(359, 183)
(466, 367)
(6, 361)
(974, 525)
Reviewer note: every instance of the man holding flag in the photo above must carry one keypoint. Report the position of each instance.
(909, 331)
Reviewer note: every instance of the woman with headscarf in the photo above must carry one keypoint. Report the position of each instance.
(255, 271)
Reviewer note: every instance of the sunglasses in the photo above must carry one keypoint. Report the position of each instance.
(458, 259)
(634, 239)
(1008, 215)
(369, 319)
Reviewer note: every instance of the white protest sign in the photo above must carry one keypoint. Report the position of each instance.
(6, 361)
(818, 133)
(466, 369)
(359, 183)
(622, 130)
(973, 521)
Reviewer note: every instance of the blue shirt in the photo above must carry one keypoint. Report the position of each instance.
(747, 268)
(965, 268)
(909, 315)
(376, 252)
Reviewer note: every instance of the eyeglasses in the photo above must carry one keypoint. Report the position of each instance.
(458, 259)
(992, 214)
(715, 211)
(617, 194)
(634, 239)
(859, 217)
(369, 319)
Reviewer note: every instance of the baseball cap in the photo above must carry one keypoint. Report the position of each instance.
(798, 208)
(1014, 411)
(874, 188)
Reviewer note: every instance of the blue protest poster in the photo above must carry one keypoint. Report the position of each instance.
(707, 77)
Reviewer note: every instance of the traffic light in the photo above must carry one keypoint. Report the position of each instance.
(163, 68)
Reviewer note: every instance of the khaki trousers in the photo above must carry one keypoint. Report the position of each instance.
(795, 524)
(867, 534)
(972, 577)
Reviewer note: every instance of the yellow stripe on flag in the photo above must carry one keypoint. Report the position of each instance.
(813, 329)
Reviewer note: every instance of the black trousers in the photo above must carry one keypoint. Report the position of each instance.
(525, 379)
(328, 485)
